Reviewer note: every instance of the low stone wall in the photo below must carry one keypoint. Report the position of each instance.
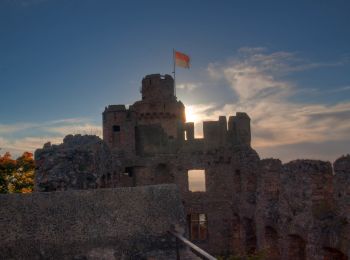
(123, 223)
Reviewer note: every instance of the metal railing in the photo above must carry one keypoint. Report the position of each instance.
(195, 249)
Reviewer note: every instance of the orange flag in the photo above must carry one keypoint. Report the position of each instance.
(182, 60)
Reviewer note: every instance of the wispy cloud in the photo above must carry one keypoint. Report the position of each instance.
(20, 137)
(188, 86)
(258, 80)
(12, 128)
(19, 145)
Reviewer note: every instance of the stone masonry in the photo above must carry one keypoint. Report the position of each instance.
(103, 224)
(297, 210)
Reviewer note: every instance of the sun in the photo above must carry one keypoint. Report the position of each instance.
(191, 115)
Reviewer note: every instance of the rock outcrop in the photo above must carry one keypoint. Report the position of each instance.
(80, 162)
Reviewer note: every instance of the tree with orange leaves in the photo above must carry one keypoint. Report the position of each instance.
(17, 176)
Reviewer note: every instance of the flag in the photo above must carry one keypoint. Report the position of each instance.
(182, 60)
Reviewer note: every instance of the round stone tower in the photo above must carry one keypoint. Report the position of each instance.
(159, 105)
(156, 87)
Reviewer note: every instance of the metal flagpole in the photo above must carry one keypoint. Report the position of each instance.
(174, 71)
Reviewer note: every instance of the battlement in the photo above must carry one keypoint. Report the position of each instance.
(239, 128)
(221, 133)
(115, 108)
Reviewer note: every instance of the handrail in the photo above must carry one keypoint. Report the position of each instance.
(196, 249)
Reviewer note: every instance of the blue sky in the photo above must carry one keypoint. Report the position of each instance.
(286, 63)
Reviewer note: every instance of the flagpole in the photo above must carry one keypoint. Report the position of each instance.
(174, 71)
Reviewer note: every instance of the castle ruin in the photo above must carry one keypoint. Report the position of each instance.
(241, 205)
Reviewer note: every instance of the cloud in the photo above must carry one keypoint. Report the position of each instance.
(20, 137)
(251, 50)
(260, 82)
(17, 146)
(85, 128)
(275, 63)
(339, 89)
(188, 87)
(6, 129)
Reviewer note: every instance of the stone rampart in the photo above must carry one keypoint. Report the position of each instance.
(123, 223)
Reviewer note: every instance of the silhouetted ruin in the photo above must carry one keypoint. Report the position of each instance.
(242, 204)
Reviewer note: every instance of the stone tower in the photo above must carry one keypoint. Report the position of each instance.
(158, 108)
(159, 105)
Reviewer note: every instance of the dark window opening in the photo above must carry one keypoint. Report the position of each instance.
(198, 226)
(129, 171)
(116, 128)
(171, 137)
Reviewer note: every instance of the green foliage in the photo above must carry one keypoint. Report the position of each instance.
(17, 176)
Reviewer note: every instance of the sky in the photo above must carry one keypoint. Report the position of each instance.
(285, 63)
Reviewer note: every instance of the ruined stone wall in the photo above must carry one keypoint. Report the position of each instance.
(119, 129)
(221, 134)
(298, 210)
(239, 129)
(124, 223)
(299, 216)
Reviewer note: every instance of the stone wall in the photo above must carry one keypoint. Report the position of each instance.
(123, 223)
(300, 214)
(119, 128)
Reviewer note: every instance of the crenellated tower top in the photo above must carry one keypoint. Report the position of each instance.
(156, 87)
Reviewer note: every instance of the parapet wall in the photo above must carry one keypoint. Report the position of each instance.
(222, 133)
(123, 223)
